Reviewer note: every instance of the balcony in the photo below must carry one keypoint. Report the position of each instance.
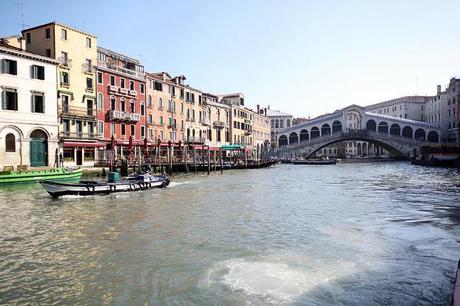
(73, 111)
(247, 133)
(205, 121)
(113, 89)
(88, 68)
(129, 72)
(132, 93)
(219, 124)
(172, 126)
(65, 62)
(123, 91)
(124, 116)
(192, 139)
(78, 135)
(90, 89)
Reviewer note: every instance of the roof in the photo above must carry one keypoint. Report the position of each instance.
(277, 113)
(59, 24)
(406, 99)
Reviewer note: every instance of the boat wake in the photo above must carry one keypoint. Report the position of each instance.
(271, 279)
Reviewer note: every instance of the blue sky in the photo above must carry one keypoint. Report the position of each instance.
(303, 57)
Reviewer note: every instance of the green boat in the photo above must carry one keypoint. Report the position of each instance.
(29, 176)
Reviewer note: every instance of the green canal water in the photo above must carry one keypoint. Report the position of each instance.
(349, 234)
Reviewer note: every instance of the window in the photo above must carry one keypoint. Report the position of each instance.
(112, 103)
(149, 101)
(88, 65)
(112, 80)
(131, 85)
(63, 34)
(142, 88)
(79, 128)
(100, 128)
(65, 103)
(99, 77)
(48, 52)
(182, 108)
(161, 135)
(160, 104)
(10, 100)
(122, 83)
(100, 101)
(64, 78)
(47, 33)
(123, 130)
(149, 119)
(161, 120)
(182, 93)
(66, 126)
(123, 105)
(150, 134)
(142, 109)
(38, 103)
(158, 86)
(10, 67)
(142, 132)
(64, 59)
(133, 108)
(10, 143)
(88, 42)
(112, 129)
(133, 131)
(38, 72)
(28, 38)
(89, 83)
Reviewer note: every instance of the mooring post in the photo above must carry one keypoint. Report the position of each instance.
(194, 159)
(221, 162)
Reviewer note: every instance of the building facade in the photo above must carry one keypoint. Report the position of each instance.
(261, 128)
(278, 121)
(241, 129)
(29, 133)
(409, 107)
(76, 52)
(121, 109)
(216, 116)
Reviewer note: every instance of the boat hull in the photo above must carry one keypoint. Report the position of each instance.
(38, 175)
(314, 162)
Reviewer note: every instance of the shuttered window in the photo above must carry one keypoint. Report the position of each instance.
(38, 72)
(38, 103)
(10, 100)
(10, 143)
(9, 66)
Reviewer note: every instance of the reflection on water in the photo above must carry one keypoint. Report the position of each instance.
(350, 234)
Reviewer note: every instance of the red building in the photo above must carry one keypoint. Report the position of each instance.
(120, 100)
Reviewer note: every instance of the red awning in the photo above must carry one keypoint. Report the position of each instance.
(83, 144)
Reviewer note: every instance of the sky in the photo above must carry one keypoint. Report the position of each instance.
(303, 57)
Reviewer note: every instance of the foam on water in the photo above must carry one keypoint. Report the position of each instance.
(271, 279)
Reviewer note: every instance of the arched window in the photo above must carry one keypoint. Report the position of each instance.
(123, 105)
(113, 103)
(160, 104)
(142, 109)
(277, 123)
(149, 101)
(100, 101)
(133, 107)
(281, 123)
(288, 123)
(272, 122)
(10, 143)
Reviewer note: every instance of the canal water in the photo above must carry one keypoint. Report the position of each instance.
(349, 234)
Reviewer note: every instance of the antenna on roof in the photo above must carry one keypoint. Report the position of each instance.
(21, 6)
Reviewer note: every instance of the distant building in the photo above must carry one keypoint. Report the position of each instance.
(216, 116)
(242, 119)
(278, 121)
(409, 107)
(262, 127)
(29, 132)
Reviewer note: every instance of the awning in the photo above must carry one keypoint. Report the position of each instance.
(231, 147)
(83, 144)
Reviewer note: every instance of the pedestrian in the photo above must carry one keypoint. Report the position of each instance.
(61, 160)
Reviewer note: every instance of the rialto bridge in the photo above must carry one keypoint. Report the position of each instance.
(398, 136)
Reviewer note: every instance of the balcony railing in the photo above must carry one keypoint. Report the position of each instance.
(205, 121)
(78, 111)
(172, 126)
(113, 89)
(64, 61)
(219, 124)
(88, 68)
(103, 64)
(247, 133)
(133, 93)
(119, 115)
(123, 91)
(78, 135)
(192, 139)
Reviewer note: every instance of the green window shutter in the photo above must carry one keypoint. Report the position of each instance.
(15, 100)
(44, 104)
(32, 108)
(4, 99)
(32, 71)
(2, 64)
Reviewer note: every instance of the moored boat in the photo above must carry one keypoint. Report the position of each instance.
(84, 188)
(37, 175)
(314, 162)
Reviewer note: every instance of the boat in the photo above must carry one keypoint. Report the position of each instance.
(84, 188)
(314, 162)
(437, 155)
(28, 176)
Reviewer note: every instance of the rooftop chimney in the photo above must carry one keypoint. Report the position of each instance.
(258, 109)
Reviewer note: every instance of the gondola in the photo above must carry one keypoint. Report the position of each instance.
(314, 162)
(84, 188)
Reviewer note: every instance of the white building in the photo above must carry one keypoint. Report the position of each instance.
(28, 116)
(278, 121)
(409, 107)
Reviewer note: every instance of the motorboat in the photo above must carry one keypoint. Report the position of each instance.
(135, 182)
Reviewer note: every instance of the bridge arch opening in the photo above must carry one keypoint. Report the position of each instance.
(304, 135)
(407, 132)
(293, 138)
(433, 136)
(371, 125)
(395, 129)
(325, 129)
(314, 132)
(282, 141)
(420, 134)
(383, 127)
(336, 126)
